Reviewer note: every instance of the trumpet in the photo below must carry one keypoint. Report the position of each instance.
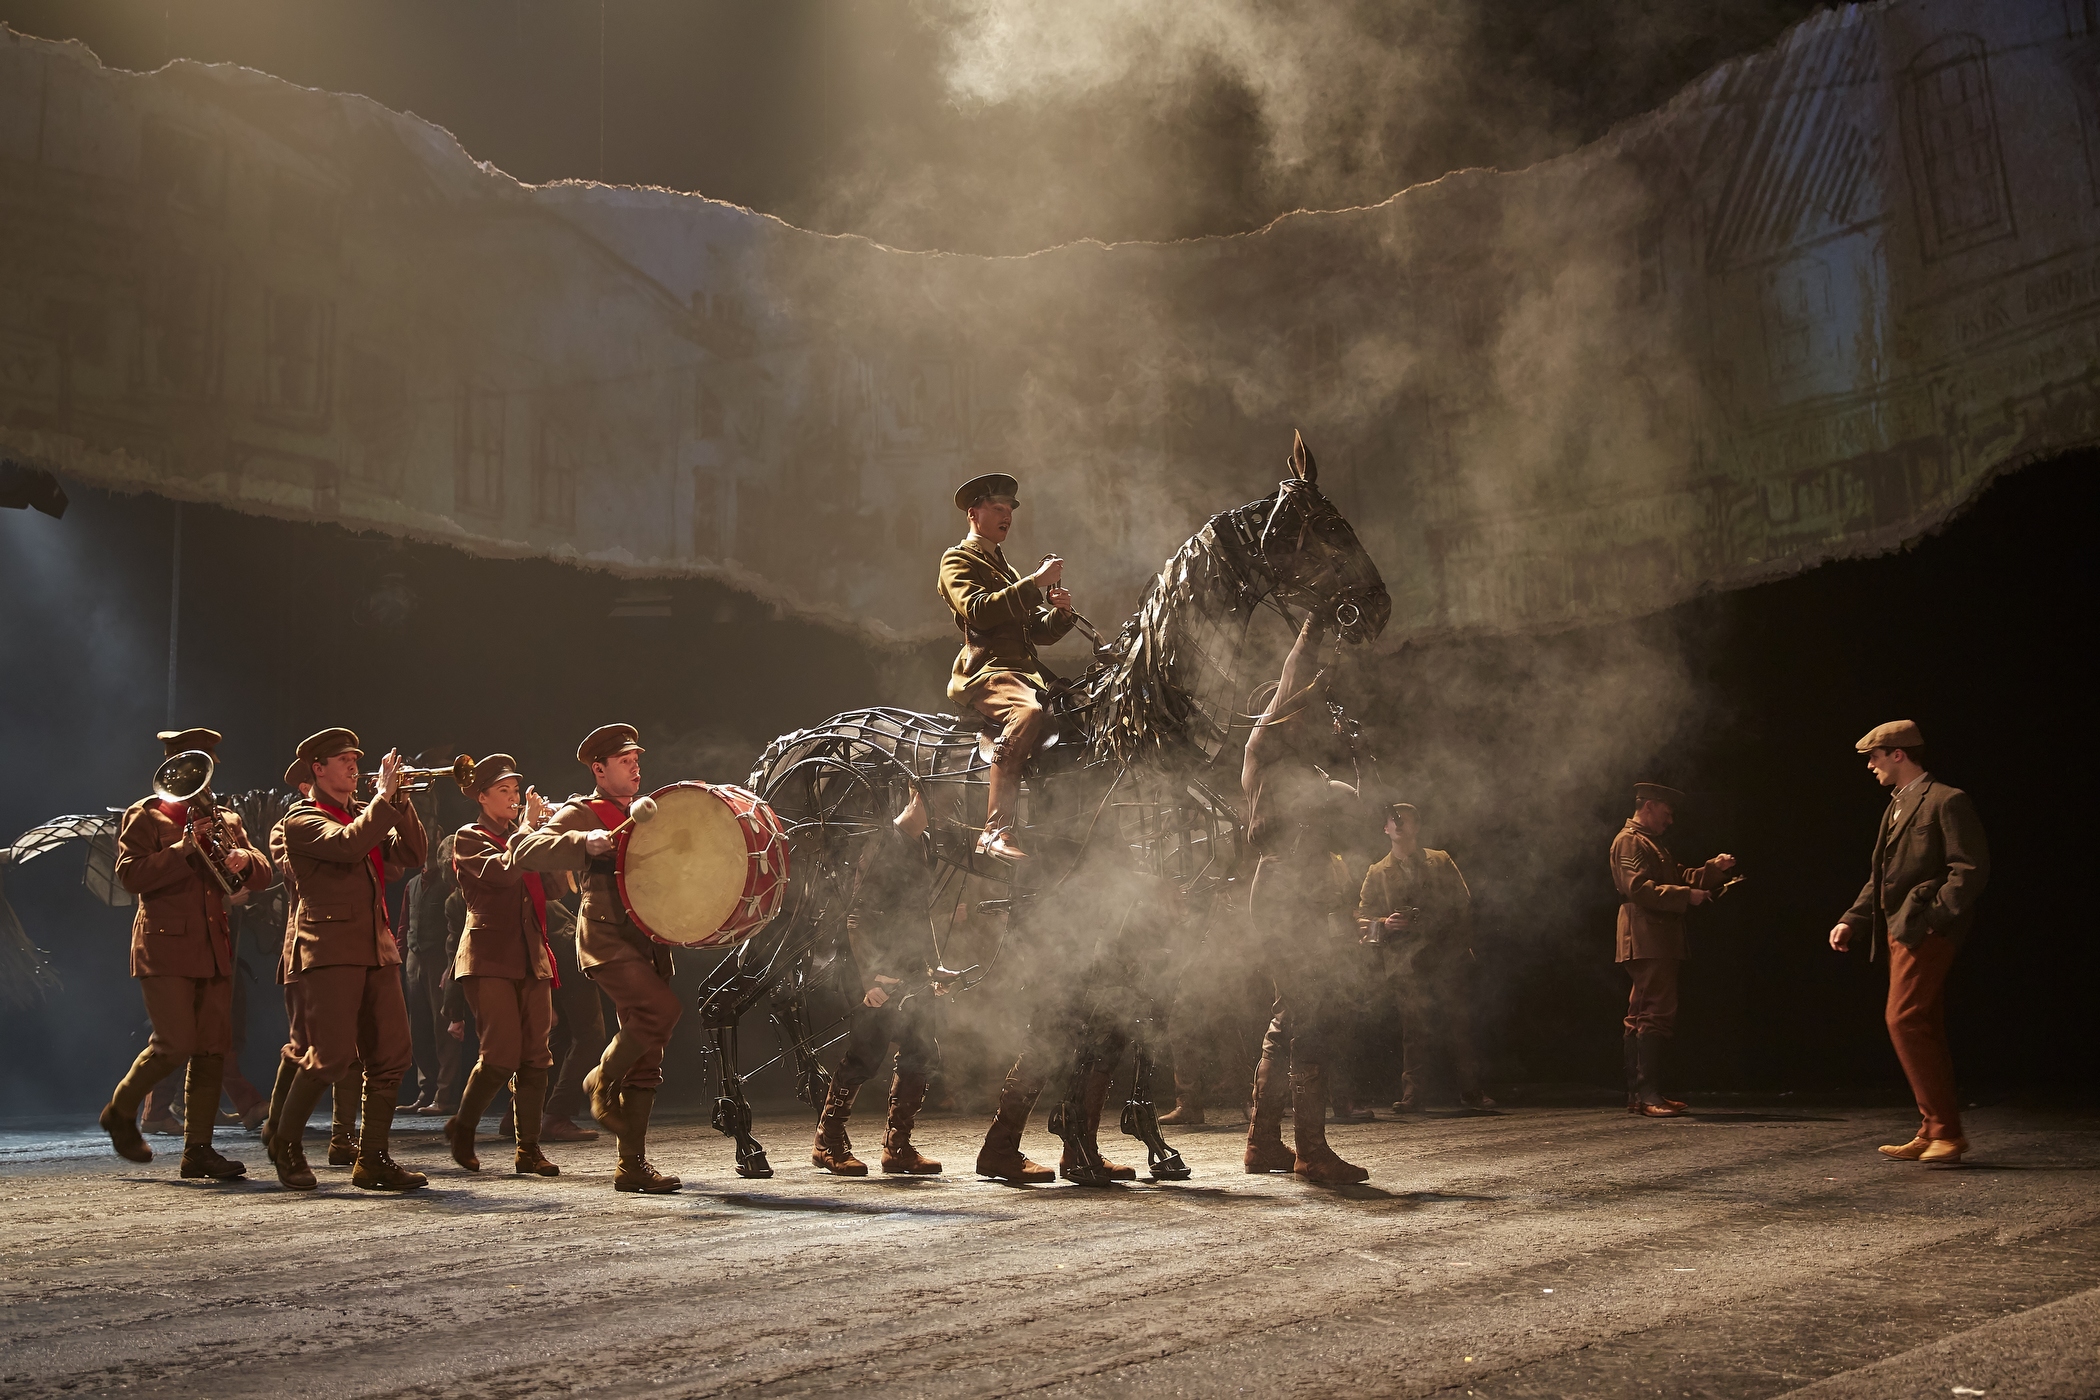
(417, 779)
(185, 778)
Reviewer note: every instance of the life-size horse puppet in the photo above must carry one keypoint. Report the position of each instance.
(1131, 776)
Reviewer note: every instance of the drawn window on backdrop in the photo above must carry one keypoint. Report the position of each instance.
(477, 480)
(1957, 164)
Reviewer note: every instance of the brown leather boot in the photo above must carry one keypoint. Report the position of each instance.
(1097, 1082)
(120, 1117)
(899, 1157)
(279, 1087)
(1315, 1160)
(200, 1114)
(635, 1173)
(833, 1150)
(288, 1147)
(555, 1128)
(604, 1097)
(1649, 1100)
(1001, 1157)
(348, 1093)
(482, 1085)
(529, 1098)
(160, 1118)
(375, 1170)
(1265, 1149)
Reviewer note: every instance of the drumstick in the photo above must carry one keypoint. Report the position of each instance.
(643, 809)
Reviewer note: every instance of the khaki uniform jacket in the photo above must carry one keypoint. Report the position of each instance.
(340, 918)
(281, 861)
(1931, 862)
(502, 937)
(1000, 615)
(1429, 881)
(1657, 891)
(181, 929)
(604, 931)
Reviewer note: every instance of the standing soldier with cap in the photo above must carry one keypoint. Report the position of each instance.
(623, 961)
(182, 956)
(343, 971)
(1931, 862)
(1003, 617)
(505, 965)
(1655, 892)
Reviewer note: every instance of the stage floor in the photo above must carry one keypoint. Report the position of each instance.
(1748, 1251)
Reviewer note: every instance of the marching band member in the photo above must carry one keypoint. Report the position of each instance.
(505, 965)
(342, 969)
(614, 954)
(182, 956)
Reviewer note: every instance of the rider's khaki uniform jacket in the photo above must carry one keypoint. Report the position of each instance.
(1000, 615)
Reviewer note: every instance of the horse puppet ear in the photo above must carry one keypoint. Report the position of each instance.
(1302, 464)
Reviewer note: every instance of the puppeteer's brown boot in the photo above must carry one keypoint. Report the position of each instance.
(1097, 1082)
(160, 1118)
(120, 1117)
(344, 1099)
(288, 1147)
(833, 1150)
(635, 1173)
(1314, 1159)
(201, 1111)
(1188, 1102)
(375, 1170)
(604, 1097)
(1265, 1149)
(482, 1085)
(279, 1087)
(1001, 1157)
(899, 1157)
(529, 1099)
(1648, 1097)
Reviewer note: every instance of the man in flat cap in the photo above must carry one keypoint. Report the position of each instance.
(1931, 862)
(182, 954)
(1003, 616)
(1655, 891)
(619, 958)
(344, 963)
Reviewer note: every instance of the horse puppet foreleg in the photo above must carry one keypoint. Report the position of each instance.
(721, 1008)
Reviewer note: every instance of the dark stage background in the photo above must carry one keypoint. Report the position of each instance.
(1979, 634)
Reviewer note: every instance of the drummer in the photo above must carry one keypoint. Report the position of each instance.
(613, 953)
(505, 965)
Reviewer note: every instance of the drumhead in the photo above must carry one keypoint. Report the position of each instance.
(682, 873)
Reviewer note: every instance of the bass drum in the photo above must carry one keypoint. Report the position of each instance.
(709, 870)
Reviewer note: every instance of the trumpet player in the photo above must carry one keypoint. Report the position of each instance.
(613, 953)
(342, 971)
(186, 861)
(505, 964)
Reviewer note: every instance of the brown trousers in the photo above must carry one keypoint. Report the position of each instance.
(190, 1015)
(1017, 707)
(1651, 1009)
(648, 1011)
(341, 1015)
(439, 1072)
(1917, 1019)
(512, 1016)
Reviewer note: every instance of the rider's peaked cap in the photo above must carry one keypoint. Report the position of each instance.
(606, 740)
(993, 486)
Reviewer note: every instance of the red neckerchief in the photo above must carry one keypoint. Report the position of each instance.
(378, 860)
(535, 889)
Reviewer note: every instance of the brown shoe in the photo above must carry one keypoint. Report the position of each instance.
(555, 1128)
(124, 1135)
(1947, 1150)
(530, 1162)
(1312, 1158)
(342, 1149)
(635, 1173)
(832, 1151)
(460, 1138)
(288, 1146)
(1265, 1150)
(1909, 1151)
(1001, 1157)
(161, 1125)
(604, 1100)
(899, 1157)
(292, 1172)
(1658, 1110)
(202, 1160)
(1186, 1113)
(379, 1172)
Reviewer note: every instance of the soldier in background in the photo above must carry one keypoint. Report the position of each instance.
(438, 1058)
(579, 1023)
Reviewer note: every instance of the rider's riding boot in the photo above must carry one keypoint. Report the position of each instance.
(999, 841)
(1097, 1082)
(375, 1170)
(1647, 1092)
(120, 1118)
(1265, 1149)
(528, 1095)
(288, 1145)
(282, 1085)
(1316, 1161)
(635, 1173)
(200, 1112)
(1001, 1157)
(833, 1150)
(474, 1100)
(349, 1091)
(899, 1157)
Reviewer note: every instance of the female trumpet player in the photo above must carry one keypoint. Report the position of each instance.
(505, 965)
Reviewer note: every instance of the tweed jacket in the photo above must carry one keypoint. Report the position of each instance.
(1931, 862)
(1000, 614)
(181, 929)
(340, 917)
(605, 933)
(1655, 892)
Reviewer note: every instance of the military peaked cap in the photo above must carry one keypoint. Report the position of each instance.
(489, 772)
(605, 741)
(327, 744)
(1656, 792)
(177, 741)
(993, 486)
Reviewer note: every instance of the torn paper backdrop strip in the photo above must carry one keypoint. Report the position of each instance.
(1805, 311)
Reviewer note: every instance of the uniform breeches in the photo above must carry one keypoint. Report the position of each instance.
(1017, 707)
(1651, 1008)
(904, 1023)
(648, 1010)
(346, 1014)
(512, 1016)
(1917, 1019)
(190, 1015)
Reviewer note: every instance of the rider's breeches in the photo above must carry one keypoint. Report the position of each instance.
(1017, 707)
